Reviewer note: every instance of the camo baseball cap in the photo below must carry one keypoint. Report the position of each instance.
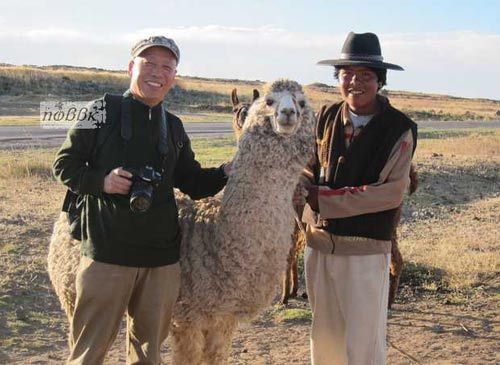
(155, 41)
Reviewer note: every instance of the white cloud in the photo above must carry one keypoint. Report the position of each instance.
(268, 35)
(446, 62)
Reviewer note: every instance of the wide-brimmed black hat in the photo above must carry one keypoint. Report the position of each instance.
(361, 49)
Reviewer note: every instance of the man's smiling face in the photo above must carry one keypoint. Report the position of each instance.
(152, 74)
(358, 87)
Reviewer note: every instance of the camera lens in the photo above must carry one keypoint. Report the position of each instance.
(141, 197)
(139, 204)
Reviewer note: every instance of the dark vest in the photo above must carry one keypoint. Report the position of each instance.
(361, 164)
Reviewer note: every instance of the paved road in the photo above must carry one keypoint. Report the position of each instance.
(35, 136)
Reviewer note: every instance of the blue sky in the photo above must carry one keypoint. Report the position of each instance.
(447, 47)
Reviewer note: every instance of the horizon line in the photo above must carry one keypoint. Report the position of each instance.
(428, 93)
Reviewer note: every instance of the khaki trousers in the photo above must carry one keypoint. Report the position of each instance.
(104, 292)
(348, 296)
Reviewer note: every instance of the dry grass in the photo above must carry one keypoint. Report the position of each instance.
(26, 163)
(75, 73)
(452, 228)
(447, 105)
(28, 311)
(19, 120)
(463, 143)
(219, 86)
(459, 245)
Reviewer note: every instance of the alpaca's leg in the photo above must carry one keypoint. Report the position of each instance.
(287, 277)
(299, 243)
(294, 274)
(219, 334)
(413, 179)
(187, 343)
(297, 247)
(395, 270)
(285, 287)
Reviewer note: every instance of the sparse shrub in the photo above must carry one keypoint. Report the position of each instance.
(294, 315)
(421, 275)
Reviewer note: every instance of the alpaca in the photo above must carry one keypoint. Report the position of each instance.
(240, 111)
(290, 284)
(290, 280)
(243, 240)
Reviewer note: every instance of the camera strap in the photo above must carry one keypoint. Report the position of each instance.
(163, 139)
(126, 125)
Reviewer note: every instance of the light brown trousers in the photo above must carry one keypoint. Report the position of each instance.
(104, 293)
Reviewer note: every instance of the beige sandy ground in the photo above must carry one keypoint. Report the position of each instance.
(447, 311)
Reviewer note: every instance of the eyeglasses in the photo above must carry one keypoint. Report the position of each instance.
(364, 75)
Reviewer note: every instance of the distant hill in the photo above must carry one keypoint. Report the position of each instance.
(23, 87)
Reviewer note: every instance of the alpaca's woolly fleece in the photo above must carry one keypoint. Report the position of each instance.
(283, 85)
(62, 263)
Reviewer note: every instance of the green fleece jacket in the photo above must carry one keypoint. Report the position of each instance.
(111, 232)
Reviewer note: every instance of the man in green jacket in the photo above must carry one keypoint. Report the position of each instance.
(130, 259)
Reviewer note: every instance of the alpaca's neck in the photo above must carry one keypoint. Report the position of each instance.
(258, 196)
(247, 195)
(265, 173)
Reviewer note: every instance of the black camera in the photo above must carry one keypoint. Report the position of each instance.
(144, 181)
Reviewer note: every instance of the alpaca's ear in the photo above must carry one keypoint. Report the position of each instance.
(234, 97)
(255, 95)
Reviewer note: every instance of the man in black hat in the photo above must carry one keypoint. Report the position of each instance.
(129, 223)
(359, 176)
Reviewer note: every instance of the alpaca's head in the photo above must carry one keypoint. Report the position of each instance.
(282, 106)
(240, 111)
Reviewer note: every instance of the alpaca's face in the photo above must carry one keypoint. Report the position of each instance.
(284, 109)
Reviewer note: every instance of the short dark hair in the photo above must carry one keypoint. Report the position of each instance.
(380, 72)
